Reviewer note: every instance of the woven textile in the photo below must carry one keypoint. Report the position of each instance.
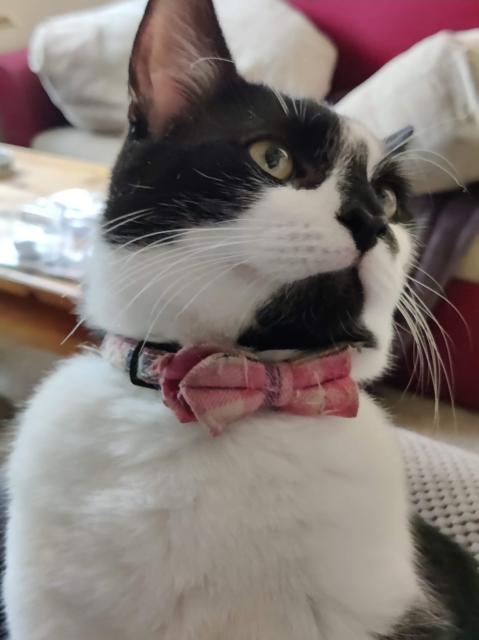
(444, 487)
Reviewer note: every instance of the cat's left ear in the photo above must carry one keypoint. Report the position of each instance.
(398, 141)
(179, 60)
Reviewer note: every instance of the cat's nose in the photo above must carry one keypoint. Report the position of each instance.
(365, 227)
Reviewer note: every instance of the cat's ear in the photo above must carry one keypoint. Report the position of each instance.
(398, 141)
(179, 59)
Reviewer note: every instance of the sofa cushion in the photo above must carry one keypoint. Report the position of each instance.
(434, 86)
(82, 61)
(78, 143)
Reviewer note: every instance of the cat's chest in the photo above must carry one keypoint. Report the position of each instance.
(279, 509)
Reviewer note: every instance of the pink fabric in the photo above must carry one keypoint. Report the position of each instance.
(369, 33)
(205, 384)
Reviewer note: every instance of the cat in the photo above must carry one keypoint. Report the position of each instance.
(242, 217)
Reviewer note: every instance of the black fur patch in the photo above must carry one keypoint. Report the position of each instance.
(361, 211)
(312, 314)
(3, 529)
(452, 576)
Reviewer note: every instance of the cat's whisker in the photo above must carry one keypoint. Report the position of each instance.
(173, 234)
(212, 178)
(445, 299)
(182, 249)
(281, 100)
(210, 59)
(445, 336)
(425, 309)
(158, 260)
(164, 265)
(303, 109)
(270, 244)
(189, 244)
(453, 177)
(417, 341)
(254, 286)
(435, 154)
(431, 127)
(186, 275)
(125, 284)
(71, 333)
(156, 279)
(399, 329)
(141, 186)
(413, 318)
(118, 221)
(418, 153)
(206, 286)
(433, 356)
(214, 227)
(428, 275)
(294, 102)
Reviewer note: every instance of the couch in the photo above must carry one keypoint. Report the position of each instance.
(367, 34)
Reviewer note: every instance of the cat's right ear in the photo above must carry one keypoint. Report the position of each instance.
(179, 59)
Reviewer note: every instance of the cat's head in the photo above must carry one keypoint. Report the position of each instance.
(240, 215)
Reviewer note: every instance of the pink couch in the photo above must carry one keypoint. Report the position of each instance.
(367, 33)
(25, 108)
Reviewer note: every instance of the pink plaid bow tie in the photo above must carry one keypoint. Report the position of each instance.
(204, 384)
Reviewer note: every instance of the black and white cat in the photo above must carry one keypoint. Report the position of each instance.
(238, 216)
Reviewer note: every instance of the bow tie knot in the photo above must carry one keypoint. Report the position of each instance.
(279, 390)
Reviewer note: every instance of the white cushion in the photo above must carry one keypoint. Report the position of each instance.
(434, 86)
(277, 45)
(82, 58)
(77, 143)
(82, 61)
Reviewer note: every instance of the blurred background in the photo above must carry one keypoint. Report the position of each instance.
(390, 64)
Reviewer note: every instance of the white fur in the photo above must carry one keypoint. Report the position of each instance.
(127, 525)
(296, 234)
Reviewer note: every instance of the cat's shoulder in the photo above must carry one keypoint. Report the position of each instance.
(83, 408)
(72, 386)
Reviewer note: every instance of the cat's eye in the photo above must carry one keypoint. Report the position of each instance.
(389, 202)
(273, 159)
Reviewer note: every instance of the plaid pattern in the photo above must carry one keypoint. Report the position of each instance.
(216, 387)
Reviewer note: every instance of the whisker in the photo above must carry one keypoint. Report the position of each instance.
(444, 299)
(453, 177)
(206, 286)
(204, 175)
(281, 100)
(111, 225)
(435, 125)
(185, 276)
(185, 264)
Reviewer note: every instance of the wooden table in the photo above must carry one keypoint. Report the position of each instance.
(37, 310)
